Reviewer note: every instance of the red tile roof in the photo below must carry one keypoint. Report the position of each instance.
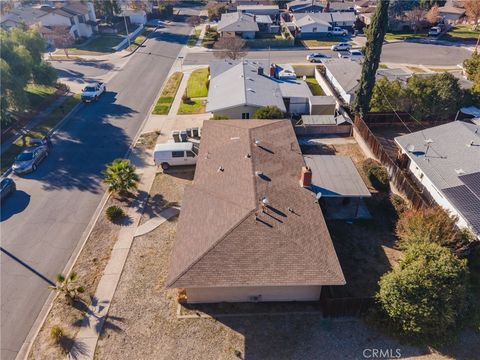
(226, 238)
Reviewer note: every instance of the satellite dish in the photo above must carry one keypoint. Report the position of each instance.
(318, 196)
(411, 148)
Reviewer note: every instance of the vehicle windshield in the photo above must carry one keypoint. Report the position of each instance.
(25, 156)
(195, 149)
(89, 88)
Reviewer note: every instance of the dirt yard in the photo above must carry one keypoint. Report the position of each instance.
(142, 321)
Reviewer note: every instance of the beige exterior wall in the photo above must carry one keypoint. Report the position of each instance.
(236, 112)
(247, 294)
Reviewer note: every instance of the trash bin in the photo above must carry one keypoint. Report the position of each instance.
(195, 132)
(176, 136)
(183, 136)
(189, 132)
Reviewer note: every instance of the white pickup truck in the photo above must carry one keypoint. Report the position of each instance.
(93, 92)
(338, 31)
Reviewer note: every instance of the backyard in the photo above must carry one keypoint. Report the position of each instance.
(164, 102)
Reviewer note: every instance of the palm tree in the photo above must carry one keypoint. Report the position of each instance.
(67, 286)
(120, 176)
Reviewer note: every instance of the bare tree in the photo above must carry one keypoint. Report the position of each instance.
(194, 20)
(230, 47)
(415, 16)
(432, 15)
(472, 10)
(138, 5)
(62, 38)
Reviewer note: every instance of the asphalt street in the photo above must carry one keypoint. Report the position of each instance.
(43, 222)
(401, 53)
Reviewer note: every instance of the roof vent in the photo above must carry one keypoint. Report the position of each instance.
(257, 142)
(251, 90)
(470, 144)
(258, 173)
(235, 138)
(248, 156)
(460, 171)
(265, 201)
(220, 169)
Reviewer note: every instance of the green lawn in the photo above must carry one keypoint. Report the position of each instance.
(139, 40)
(404, 36)
(100, 44)
(192, 40)
(39, 94)
(39, 131)
(323, 42)
(196, 106)
(315, 88)
(210, 37)
(382, 66)
(197, 83)
(162, 107)
(462, 32)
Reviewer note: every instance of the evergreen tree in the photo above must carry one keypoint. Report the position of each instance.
(373, 50)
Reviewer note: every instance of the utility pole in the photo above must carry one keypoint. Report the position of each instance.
(126, 29)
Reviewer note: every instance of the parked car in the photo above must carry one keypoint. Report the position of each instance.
(341, 47)
(175, 154)
(338, 31)
(435, 31)
(351, 54)
(93, 92)
(317, 57)
(29, 159)
(7, 187)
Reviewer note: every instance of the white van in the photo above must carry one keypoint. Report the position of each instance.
(175, 154)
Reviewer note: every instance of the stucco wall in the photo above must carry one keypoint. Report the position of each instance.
(246, 294)
(236, 112)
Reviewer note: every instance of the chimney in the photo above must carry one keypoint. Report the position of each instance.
(260, 70)
(272, 70)
(305, 177)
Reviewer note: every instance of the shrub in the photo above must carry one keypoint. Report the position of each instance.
(186, 99)
(428, 225)
(219, 117)
(425, 294)
(268, 112)
(377, 174)
(114, 213)
(45, 74)
(399, 204)
(56, 333)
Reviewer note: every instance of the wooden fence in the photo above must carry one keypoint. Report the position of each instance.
(336, 307)
(397, 176)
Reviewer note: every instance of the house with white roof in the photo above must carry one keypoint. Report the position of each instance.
(310, 25)
(445, 162)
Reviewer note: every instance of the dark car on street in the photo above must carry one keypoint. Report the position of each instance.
(7, 187)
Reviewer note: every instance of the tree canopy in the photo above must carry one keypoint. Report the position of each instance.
(268, 112)
(425, 294)
(373, 49)
(20, 63)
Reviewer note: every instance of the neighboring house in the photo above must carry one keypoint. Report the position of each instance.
(445, 161)
(238, 88)
(344, 76)
(451, 14)
(79, 18)
(319, 24)
(299, 6)
(340, 6)
(135, 16)
(270, 10)
(238, 24)
(262, 235)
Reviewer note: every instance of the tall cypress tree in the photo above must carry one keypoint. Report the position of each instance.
(373, 49)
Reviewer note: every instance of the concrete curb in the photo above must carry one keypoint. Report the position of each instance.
(50, 133)
(42, 316)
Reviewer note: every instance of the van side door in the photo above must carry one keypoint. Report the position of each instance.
(191, 158)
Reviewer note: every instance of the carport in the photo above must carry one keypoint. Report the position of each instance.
(338, 186)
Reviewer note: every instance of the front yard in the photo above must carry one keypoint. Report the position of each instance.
(99, 45)
(313, 43)
(194, 106)
(197, 83)
(462, 33)
(404, 35)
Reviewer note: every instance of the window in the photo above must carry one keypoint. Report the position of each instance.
(178, 154)
(81, 19)
(72, 21)
(314, 29)
(245, 116)
(190, 154)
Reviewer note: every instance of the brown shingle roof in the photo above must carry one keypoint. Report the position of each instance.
(223, 237)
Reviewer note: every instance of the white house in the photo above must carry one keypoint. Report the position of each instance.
(445, 161)
(135, 16)
(310, 25)
(343, 75)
